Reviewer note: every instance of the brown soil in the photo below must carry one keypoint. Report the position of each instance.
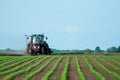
(20, 77)
(112, 62)
(118, 60)
(100, 70)
(11, 61)
(42, 73)
(17, 65)
(72, 70)
(86, 71)
(20, 68)
(1, 77)
(108, 67)
(57, 73)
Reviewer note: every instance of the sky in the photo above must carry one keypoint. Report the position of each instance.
(68, 24)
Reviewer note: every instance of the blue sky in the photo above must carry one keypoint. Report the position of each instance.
(69, 24)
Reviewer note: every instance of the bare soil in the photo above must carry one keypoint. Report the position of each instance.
(57, 73)
(16, 65)
(111, 62)
(18, 69)
(86, 71)
(20, 77)
(108, 67)
(72, 70)
(100, 70)
(42, 73)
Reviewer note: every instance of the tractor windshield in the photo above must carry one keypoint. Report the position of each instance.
(37, 39)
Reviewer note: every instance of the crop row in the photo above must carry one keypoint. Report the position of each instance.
(106, 69)
(38, 70)
(97, 74)
(46, 76)
(18, 67)
(80, 73)
(111, 65)
(12, 75)
(64, 73)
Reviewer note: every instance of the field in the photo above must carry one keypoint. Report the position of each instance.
(60, 67)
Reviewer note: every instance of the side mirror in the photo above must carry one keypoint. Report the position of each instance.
(46, 38)
(25, 35)
(27, 38)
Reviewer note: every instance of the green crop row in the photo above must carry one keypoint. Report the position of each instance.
(13, 65)
(38, 70)
(107, 70)
(97, 74)
(64, 73)
(80, 74)
(46, 76)
(12, 75)
(4, 60)
(111, 65)
(116, 62)
(113, 60)
(18, 67)
(7, 62)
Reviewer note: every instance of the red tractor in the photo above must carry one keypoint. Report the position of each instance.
(37, 45)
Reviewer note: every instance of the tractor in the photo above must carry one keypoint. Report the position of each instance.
(37, 45)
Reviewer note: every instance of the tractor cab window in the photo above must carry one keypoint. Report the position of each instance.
(40, 39)
(34, 39)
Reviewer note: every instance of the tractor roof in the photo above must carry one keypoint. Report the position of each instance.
(38, 35)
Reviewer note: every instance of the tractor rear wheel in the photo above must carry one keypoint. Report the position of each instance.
(43, 50)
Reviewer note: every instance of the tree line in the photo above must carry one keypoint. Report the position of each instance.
(112, 49)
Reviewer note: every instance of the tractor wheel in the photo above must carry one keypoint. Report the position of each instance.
(30, 51)
(42, 50)
(49, 51)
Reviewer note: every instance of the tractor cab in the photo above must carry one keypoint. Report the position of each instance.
(37, 38)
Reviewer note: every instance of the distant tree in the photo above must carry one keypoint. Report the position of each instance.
(118, 49)
(88, 51)
(97, 49)
(112, 49)
(8, 49)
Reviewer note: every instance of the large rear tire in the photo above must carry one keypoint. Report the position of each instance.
(42, 50)
(30, 51)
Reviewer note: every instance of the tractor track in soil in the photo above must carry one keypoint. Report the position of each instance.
(56, 75)
(72, 70)
(42, 73)
(100, 70)
(20, 77)
(86, 71)
(107, 66)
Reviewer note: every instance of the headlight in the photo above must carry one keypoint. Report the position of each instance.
(38, 47)
(34, 46)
